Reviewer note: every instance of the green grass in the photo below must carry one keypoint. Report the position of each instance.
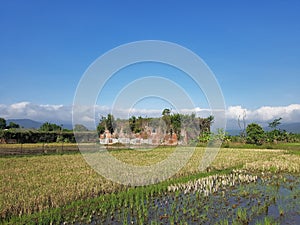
(35, 145)
(283, 146)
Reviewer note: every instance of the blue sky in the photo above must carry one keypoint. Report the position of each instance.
(253, 47)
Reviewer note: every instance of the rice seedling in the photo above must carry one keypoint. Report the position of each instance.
(242, 216)
(223, 222)
(267, 221)
(214, 183)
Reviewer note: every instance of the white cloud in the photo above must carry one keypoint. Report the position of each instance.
(20, 105)
(36, 112)
(290, 113)
(234, 112)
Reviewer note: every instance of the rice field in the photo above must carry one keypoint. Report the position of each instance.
(64, 188)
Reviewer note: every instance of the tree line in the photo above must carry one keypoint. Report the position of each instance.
(11, 125)
(46, 133)
(197, 130)
(254, 133)
(257, 135)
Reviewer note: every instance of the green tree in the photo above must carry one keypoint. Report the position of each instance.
(275, 123)
(176, 124)
(255, 134)
(101, 126)
(13, 125)
(166, 112)
(2, 123)
(110, 123)
(139, 127)
(205, 137)
(132, 123)
(275, 134)
(50, 127)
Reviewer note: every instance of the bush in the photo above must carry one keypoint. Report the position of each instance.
(255, 134)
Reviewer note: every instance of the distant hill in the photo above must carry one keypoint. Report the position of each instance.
(232, 128)
(26, 123)
(233, 132)
(289, 127)
(32, 124)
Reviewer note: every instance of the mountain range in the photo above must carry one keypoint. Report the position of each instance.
(289, 127)
(232, 128)
(32, 124)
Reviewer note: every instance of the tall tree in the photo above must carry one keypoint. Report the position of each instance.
(110, 123)
(136, 124)
(132, 123)
(176, 124)
(13, 125)
(255, 134)
(275, 123)
(139, 127)
(101, 126)
(275, 135)
(2, 123)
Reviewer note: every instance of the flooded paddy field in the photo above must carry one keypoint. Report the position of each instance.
(236, 198)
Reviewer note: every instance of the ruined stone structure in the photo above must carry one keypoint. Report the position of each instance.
(149, 136)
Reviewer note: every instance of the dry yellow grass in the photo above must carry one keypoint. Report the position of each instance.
(281, 163)
(34, 183)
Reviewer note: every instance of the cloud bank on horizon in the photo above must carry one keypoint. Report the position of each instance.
(62, 113)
